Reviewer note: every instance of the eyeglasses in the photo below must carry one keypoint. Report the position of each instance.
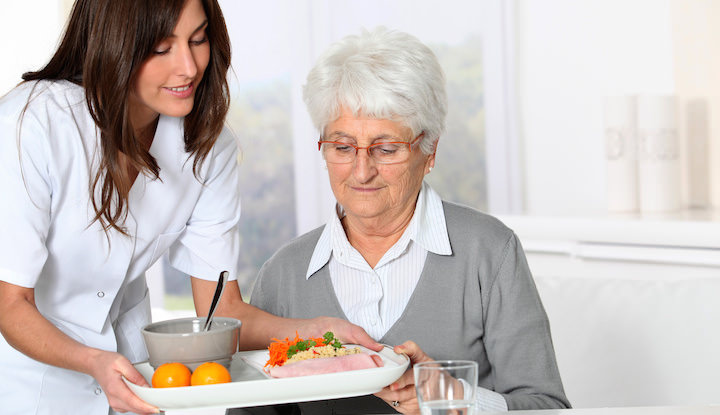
(382, 153)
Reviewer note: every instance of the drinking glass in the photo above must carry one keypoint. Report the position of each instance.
(446, 387)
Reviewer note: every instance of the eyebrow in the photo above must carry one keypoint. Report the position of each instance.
(339, 133)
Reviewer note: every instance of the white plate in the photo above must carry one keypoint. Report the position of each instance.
(252, 387)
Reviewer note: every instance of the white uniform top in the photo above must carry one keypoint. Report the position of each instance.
(92, 286)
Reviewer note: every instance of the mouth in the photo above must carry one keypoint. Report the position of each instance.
(183, 91)
(365, 189)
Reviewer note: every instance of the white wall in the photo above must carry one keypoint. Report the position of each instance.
(571, 54)
(28, 38)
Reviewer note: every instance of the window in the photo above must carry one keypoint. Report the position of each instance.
(285, 190)
(284, 185)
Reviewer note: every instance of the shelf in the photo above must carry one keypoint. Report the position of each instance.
(693, 229)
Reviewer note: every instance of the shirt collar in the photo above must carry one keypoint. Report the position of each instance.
(323, 247)
(427, 228)
(432, 231)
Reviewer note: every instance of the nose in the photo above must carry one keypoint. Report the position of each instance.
(185, 64)
(364, 167)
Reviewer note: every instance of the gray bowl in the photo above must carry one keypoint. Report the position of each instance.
(182, 340)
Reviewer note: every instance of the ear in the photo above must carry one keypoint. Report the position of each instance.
(430, 162)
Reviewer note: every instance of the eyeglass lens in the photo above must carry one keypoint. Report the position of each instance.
(383, 153)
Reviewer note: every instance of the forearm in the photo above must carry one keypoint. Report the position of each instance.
(260, 327)
(25, 329)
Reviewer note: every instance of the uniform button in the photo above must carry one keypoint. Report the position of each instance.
(98, 391)
(100, 294)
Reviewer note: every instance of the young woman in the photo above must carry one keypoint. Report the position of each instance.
(111, 155)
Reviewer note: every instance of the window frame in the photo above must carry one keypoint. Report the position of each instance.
(502, 135)
(315, 201)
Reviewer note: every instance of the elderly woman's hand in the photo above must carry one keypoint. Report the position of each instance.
(401, 394)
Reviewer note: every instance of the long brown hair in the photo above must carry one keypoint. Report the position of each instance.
(104, 44)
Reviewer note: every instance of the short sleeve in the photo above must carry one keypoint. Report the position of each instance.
(26, 197)
(210, 242)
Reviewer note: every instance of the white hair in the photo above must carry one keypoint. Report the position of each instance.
(382, 74)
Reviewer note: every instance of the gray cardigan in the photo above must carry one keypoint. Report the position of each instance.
(479, 303)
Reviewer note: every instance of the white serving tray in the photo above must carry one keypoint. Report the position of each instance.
(252, 387)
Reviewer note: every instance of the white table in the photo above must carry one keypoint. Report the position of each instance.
(657, 410)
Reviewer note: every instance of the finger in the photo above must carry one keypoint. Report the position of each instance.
(406, 399)
(350, 333)
(388, 396)
(409, 407)
(402, 394)
(360, 336)
(139, 406)
(384, 393)
(134, 376)
(410, 348)
(407, 393)
(130, 404)
(122, 366)
(407, 379)
(132, 401)
(413, 351)
(378, 360)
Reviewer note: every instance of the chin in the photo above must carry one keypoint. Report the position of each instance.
(178, 111)
(366, 212)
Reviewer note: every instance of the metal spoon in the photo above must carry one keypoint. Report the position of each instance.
(216, 298)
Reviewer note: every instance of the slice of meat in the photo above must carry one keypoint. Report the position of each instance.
(326, 365)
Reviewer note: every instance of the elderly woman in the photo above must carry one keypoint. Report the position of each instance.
(394, 257)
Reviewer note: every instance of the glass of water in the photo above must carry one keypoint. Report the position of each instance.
(446, 387)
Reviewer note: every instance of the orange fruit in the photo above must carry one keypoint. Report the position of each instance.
(171, 375)
(210, 373)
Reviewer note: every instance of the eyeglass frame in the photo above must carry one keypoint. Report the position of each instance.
(367, 149)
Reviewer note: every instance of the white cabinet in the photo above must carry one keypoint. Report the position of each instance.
(634, 307)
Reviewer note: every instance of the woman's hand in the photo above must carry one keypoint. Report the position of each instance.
(21, 324)
(108, 368)
(343, 330)
(401, 394)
